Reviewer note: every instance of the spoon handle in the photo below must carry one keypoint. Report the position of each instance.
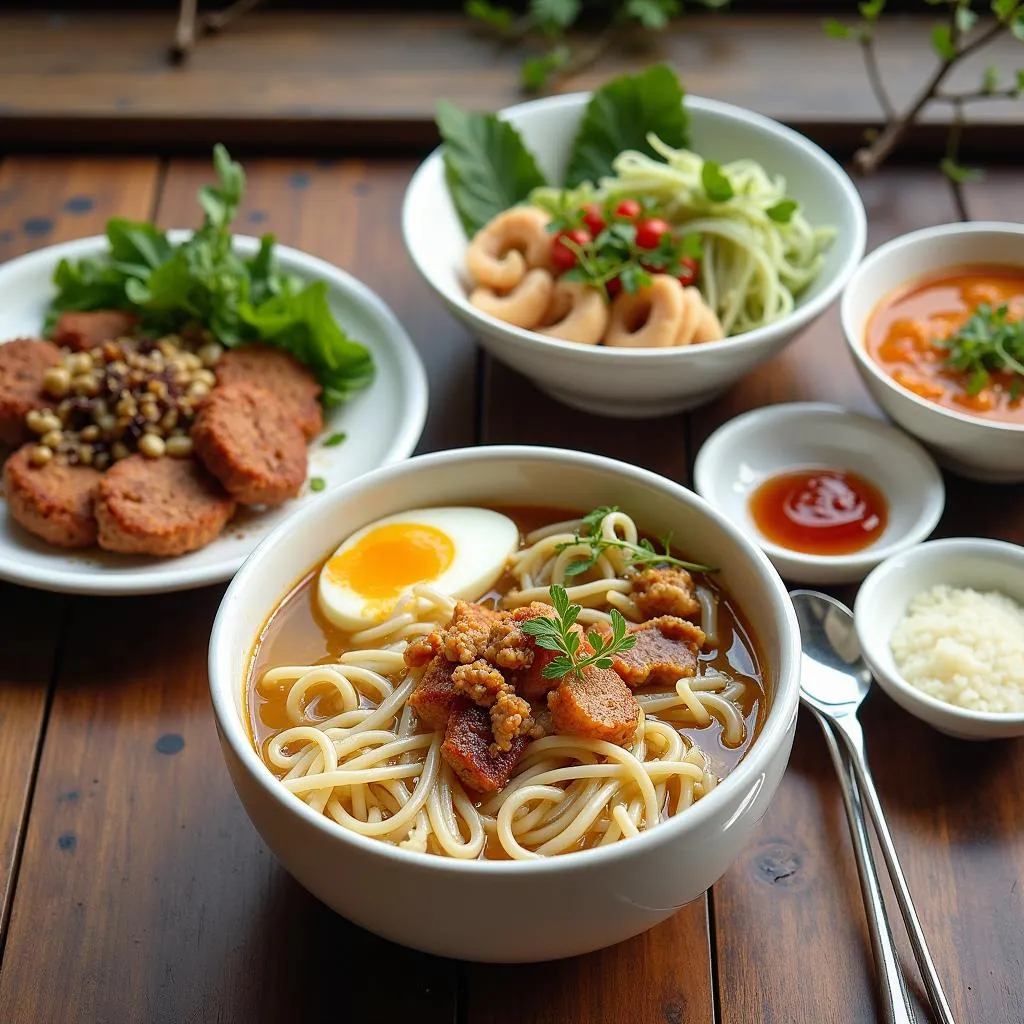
(850, 729)
(897, 1008)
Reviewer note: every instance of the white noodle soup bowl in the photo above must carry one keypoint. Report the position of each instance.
(640, 382)
(976, 448)
(507, 911)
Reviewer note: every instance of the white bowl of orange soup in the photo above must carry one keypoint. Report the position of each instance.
(932, 321)
(534, 884)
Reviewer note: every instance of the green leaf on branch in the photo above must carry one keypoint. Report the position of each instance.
(493, 15)
(871, 10)
(942, 42)
(1017, 25)
(554, 16)
(654, 15)
(536, 72)
(1019, 84)
(990, 79)
(1002, 9)
(835, 29)
(957, 173)
(966, 19)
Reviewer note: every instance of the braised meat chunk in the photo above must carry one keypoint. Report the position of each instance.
(666, 650)
(470, 749)
(82, 331)
(665, 590)
(23, 364)
(435, 693)
(599, 706)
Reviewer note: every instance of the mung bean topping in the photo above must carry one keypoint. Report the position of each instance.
(128, 395)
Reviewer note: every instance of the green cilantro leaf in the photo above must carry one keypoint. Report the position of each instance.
(715, 183)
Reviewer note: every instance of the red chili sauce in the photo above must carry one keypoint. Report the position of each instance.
(819, 511)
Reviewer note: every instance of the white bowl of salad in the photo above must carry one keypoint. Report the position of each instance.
(633, 251)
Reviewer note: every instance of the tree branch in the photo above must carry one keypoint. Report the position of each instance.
(871, 157)
(870, 55)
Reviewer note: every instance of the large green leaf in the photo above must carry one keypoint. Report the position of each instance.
(620, 115)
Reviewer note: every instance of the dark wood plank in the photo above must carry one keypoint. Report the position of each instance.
(328, 79)
(36, 209)
(159, 900)
(959, 833)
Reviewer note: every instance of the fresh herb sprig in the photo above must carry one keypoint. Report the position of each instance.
(203, 280)
(558, 634)
(642, 553)
(989, 342)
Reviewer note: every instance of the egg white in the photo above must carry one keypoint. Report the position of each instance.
(483, 541)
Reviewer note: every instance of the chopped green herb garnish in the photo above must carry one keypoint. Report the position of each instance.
(557, 634)
(317, 483)
(989, 342)
(203, 280)
(334, 440)
(643, 553)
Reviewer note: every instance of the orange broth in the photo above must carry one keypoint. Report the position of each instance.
(904, 331)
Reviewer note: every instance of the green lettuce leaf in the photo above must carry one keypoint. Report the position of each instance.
(620, 116)
(487, 165)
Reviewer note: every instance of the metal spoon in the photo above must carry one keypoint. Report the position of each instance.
(834, 682)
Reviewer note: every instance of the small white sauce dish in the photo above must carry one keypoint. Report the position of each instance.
(738, 457)
(883, 600)
(976, 448)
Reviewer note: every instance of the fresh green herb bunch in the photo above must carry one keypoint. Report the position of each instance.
(204, 280)
(642, 554)
(989, 342)
(560, 634)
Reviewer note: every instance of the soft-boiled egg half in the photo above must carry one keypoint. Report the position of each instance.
(460, 551)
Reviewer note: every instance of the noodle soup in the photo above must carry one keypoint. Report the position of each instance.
(440, 724)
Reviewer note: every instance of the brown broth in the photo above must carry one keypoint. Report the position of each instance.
(297, 633)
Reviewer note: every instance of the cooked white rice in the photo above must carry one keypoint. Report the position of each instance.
(963, 647)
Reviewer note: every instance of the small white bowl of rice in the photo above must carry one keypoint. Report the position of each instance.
(941, 627)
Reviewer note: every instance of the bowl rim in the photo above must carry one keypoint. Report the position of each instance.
(751, 769)
(889, 251)
(931, 504)
(801, 315)
(869, 637)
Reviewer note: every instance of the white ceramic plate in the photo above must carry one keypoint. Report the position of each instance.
(746, 451)
(382, 424)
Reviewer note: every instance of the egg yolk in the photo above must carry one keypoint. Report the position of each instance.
(392, 558)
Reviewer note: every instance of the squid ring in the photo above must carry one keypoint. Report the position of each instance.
(507, 246)
(524, 306)
(576, 312)
(700, 323)
(647, 318)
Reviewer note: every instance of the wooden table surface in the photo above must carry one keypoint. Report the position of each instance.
(133, 887)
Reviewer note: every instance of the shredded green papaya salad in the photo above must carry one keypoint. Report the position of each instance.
(636, 204)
